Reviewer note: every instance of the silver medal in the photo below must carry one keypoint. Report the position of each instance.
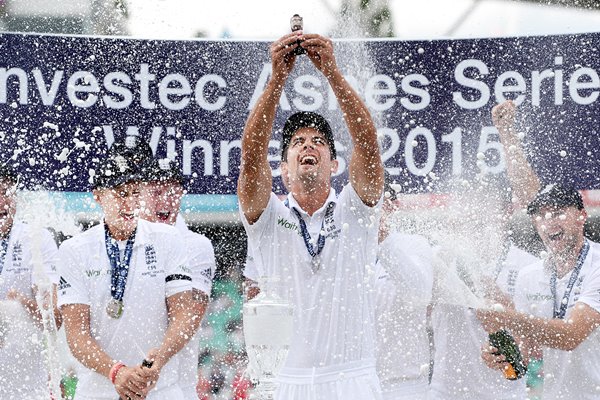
(316, 264)
(114, 308)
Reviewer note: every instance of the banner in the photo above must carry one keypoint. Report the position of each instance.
(65, 99)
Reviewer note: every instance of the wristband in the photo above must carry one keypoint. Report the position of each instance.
(114, 370)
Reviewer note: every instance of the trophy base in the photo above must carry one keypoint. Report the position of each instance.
(265, 390)
(262, 396)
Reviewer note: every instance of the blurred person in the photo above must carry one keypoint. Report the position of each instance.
(484, 225)
(161, 195)
(203, 388)
(317, 243)
(524, 184)
(241, 386)
(563, 292)
(126, 296)
(532, 283)
(404, 289)
(24, 374)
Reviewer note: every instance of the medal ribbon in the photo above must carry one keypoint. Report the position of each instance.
(561, 312)
(118, 270)
(306, 236)
(3, 251)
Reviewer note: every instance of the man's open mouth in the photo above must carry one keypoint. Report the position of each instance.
(308, 160)
(556, 235)
(127, 216)
(163, 215)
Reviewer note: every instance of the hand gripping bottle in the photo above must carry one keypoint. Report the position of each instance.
(506, 345)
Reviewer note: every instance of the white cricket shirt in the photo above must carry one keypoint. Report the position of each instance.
(404, 290)
(23, 373)
(334, 306)
(567, 374)
(201, 260)
(458, 370)
(158, 269)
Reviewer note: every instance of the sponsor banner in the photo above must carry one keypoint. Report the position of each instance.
(65, 99)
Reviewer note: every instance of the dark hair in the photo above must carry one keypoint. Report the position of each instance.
(135, 150)
(164, 170)
(306, 119)
(8, 173)
(387, 186)
(126, 161)
(555, 195)
(115, 170)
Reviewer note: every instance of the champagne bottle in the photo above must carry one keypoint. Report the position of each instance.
(506, 345)
(297, 24)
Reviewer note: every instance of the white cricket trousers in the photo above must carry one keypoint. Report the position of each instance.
(351, 381)
(407, 392)
(173, 392)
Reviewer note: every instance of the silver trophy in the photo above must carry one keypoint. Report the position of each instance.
(268, 321)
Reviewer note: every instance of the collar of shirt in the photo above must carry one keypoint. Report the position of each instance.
(142, 235)
(332, 198)
(545, 277)
(180, 223)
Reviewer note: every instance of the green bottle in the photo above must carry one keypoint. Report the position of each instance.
(506, 345)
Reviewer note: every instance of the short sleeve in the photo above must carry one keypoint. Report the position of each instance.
(260, 230)
(385, 290)
(178, 274)
(349, 200)
(72, 288)
(49, 256)
(251, 269)
(590, 293)
(520, 297)
(527, 291)
(202, 262)
(407, 259)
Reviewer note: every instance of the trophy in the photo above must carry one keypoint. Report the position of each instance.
(268, 322)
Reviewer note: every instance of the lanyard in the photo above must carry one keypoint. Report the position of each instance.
(3, 251)
(118, 270)
(304, 230)
(561, 312)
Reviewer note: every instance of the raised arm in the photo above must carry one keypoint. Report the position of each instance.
(523, 179)
(365, 166)
(255, 181)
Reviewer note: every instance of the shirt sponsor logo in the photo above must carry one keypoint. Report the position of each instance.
(185, 269)
(94, 273)
(63, 284)
(283, 222)
(331, 231)
(539, 297)
(207, 273)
